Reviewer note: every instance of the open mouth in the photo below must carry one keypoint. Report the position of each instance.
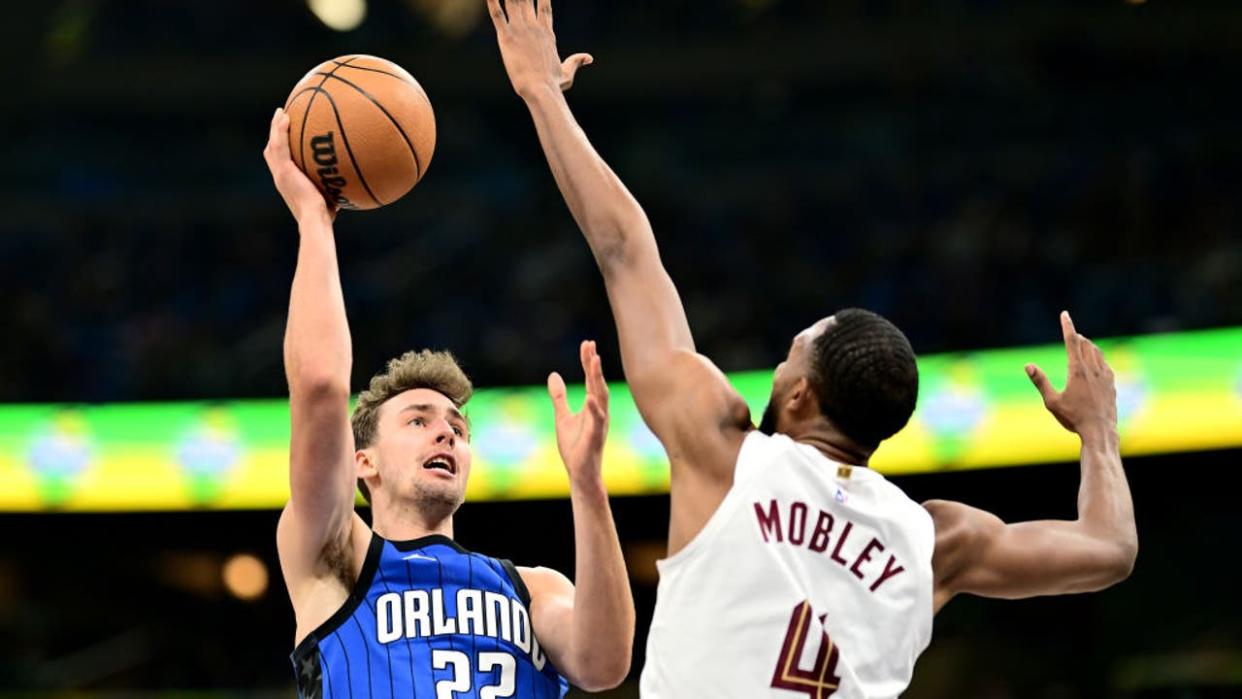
(442, 462)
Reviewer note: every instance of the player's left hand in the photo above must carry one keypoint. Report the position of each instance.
(1088, 405)
(580, 436)
(528, 46)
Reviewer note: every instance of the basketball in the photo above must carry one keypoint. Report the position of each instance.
(362, 129)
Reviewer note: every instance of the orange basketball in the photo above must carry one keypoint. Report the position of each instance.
(362, 129)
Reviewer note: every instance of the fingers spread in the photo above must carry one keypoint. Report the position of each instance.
(498, 14)
(585, 352)
(570, 66)
(525, 10)
(1073, 341)
(556, 391)
(599, 387)
(1067, 324)
(1090, 353)
(1037, 376)
(598, 412)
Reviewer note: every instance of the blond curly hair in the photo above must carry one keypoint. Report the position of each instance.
(438, 371)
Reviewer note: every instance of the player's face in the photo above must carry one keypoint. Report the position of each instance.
(797, 365)
(423, 448)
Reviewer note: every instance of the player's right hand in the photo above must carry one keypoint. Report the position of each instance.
(1088, 405)
(300, 194)
(528, 47)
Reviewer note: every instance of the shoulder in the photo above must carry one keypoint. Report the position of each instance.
(702, 382)
(962, 532)
(700, 419)
(549, 594)
(542, 581)
(955, 520)
(693, 395)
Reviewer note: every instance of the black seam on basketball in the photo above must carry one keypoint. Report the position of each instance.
(418, 164)
(350, 151)
(305, 118)
(309, 102)
(294, 98)
(402, 78)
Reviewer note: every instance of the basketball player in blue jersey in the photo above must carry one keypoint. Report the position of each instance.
(793, 569)
(399, 609)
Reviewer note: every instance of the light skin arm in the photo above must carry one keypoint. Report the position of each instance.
(979, 554)
(319, 517)
(587, 630)
(683, 397)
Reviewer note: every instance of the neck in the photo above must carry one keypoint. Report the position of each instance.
(833, 444)
(405, 522)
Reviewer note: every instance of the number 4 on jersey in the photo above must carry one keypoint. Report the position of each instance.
(821, 680)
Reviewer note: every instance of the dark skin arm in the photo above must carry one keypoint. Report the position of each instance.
(977, 553)
(685, 399)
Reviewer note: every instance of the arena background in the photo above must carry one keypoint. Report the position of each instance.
(967, 168)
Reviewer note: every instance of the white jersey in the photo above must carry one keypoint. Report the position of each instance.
(811, 578)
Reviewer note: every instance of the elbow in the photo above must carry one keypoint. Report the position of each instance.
(604, 667)
(604, 673)
(610, 247)
(318, 387)
(317, 378)
(613, 239)
(1118, 566)
(1123, 567)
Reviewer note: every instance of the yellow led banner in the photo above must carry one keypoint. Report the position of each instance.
(1176, 392)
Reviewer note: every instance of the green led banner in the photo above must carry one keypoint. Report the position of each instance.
(1175, 392)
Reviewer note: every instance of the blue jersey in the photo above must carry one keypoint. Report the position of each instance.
(428, 619)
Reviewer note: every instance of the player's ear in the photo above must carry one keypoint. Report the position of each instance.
(364, 463)
(802, 401)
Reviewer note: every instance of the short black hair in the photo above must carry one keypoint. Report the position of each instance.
(864, 374)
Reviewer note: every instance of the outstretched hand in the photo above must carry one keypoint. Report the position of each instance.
(299, 193)
(1089, 402)
(580, 436)
(528, 46)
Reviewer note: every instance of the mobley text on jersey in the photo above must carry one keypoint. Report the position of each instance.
(796, 526)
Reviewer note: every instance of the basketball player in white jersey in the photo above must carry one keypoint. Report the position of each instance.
(793, 569)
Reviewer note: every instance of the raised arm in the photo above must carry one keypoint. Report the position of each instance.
(318, 520)
(587, 627)
(680, 394)
(977, 553)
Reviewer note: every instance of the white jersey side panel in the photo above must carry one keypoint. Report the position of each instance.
(811, 578)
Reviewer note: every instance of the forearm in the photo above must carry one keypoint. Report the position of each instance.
(1104, 503)
(648, 312)
(612, 221)
(603, 624)
(317, 344)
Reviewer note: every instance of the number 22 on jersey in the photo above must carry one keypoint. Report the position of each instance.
(460, 682)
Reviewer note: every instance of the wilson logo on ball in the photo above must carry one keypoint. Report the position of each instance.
(362, 130)
(323, 150)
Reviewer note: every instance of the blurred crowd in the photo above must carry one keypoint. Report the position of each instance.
(967, 168)
(967, 173)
